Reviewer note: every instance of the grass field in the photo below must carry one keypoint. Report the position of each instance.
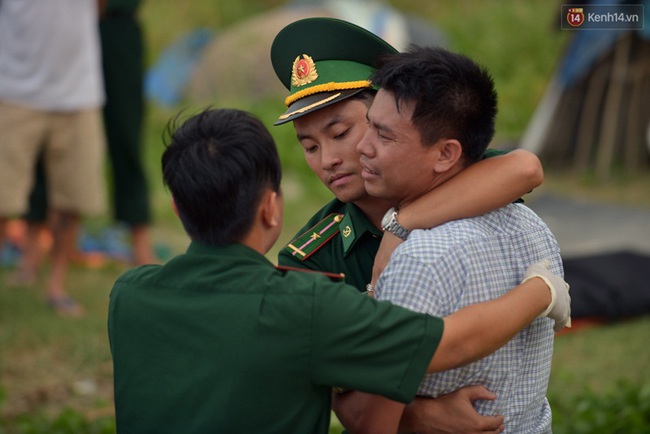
(48, 364)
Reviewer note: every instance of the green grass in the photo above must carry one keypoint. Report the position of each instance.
(56, 373)
(598, 357)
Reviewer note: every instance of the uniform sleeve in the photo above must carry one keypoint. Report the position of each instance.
(362, 344)
(490, 152)
(111, 321)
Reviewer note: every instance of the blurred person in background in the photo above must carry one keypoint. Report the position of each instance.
(123, 61)
(122, 48)
(51, 94)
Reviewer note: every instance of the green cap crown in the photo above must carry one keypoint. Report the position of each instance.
(322, 61)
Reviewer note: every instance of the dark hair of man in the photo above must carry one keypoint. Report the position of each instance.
(454, 97)
(217, 165)
(366, 96)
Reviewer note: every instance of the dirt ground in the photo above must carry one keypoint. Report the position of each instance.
(585, 226)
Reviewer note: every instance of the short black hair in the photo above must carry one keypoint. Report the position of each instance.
(366, 96)
(454, 97)
(217, 165)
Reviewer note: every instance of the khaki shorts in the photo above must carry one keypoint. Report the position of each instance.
(72, 145)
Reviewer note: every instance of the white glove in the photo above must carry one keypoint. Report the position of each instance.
(560, 308)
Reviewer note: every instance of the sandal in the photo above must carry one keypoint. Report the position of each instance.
(65, 306)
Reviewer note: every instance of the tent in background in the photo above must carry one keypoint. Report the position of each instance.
(595, 113)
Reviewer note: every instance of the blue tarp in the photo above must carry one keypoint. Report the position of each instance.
(587, 46)
(166, 80)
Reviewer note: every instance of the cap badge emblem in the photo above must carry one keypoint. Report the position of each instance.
(303, 71)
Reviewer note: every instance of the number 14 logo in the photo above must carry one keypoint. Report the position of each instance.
(575, 17)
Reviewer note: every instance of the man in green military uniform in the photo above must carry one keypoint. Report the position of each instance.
(326, 64)
(220, 340)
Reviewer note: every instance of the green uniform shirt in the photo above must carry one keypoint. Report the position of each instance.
(122, 6)
(219, 340)
(350, 251)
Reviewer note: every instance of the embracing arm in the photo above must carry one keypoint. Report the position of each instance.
(451, 413)
(365, 413)
(480, 329)
(482, 187)
(469, 334)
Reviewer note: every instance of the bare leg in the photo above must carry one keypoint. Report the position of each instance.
(32, 256)
(65, 227)
(3, 230)
(142, 252)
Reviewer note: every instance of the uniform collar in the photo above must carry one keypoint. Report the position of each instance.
(353, 227)
(228, 251)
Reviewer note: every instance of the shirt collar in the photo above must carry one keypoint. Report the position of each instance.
(228, 251)
(353, 227)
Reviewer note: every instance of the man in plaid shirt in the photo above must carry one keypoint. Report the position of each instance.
(432, 117)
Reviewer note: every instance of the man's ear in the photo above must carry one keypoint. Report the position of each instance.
(174, 207)
(268, 209)
(451, 153)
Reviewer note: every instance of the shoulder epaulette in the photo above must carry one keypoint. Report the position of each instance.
(333, 276)
(309, 242)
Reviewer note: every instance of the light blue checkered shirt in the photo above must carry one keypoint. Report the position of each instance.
(467, 261)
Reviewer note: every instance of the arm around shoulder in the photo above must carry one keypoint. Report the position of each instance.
(481, 187)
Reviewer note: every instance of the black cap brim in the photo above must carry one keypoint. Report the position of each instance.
(314, 102)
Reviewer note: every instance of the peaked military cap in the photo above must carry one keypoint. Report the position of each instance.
(322, 61)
